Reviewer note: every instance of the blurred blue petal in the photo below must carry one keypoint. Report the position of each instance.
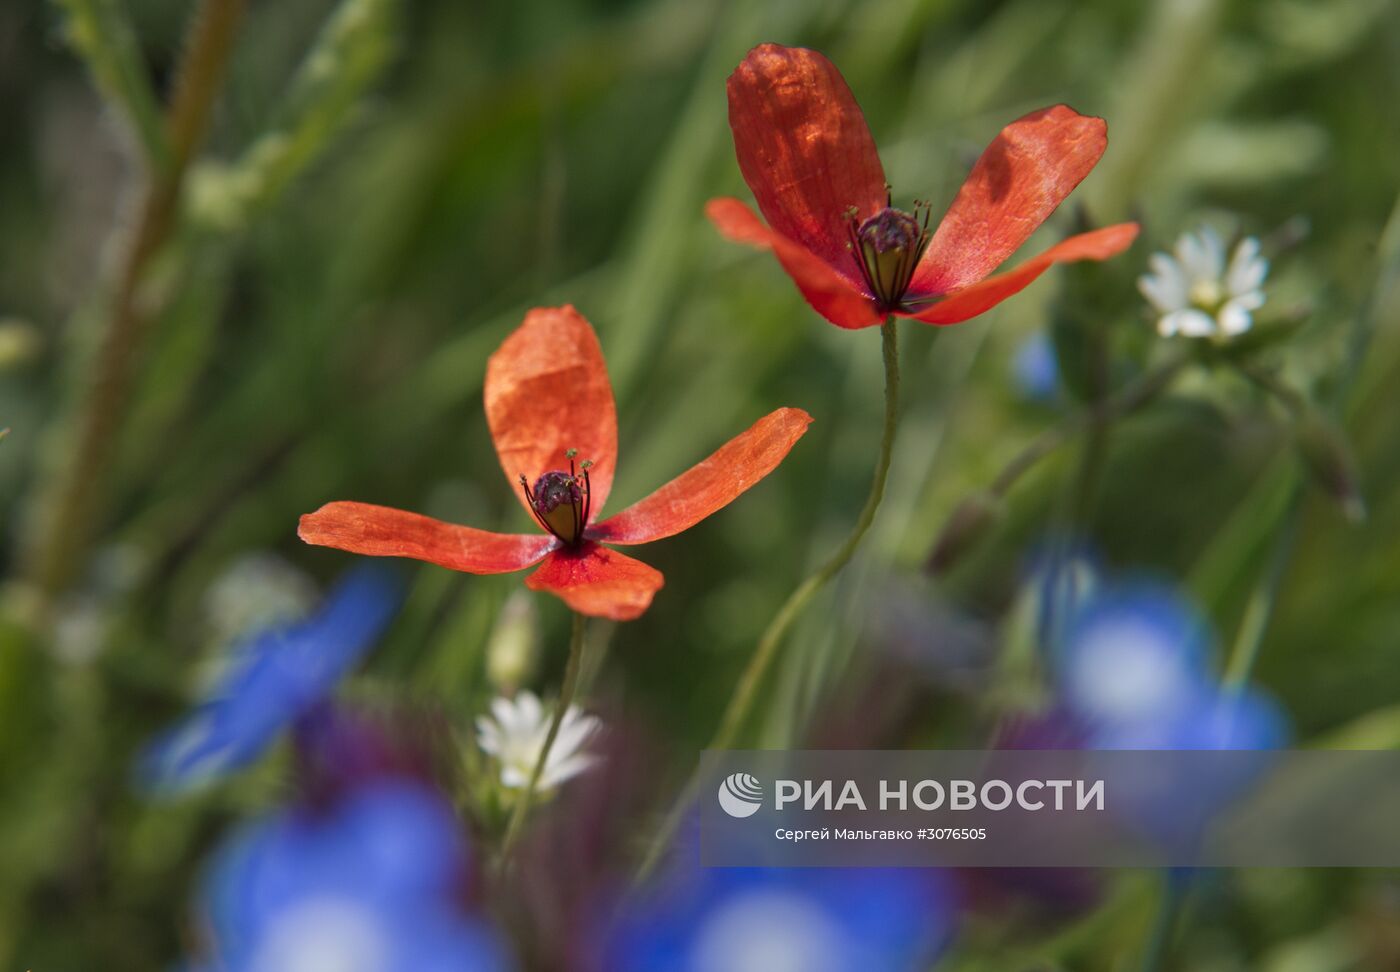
(1034, 368)
(1133, 671)
(1216, 719)
(272, 678)
(1175, 801)
(370, 884)
(1134, 654)
(784, 920)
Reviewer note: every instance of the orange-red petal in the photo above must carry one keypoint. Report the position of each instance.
(1022, 176)
(599, 582)
(981, 297)
(547, 391)
(711, 485)
(804, 148)
(381, 531)
(830, 294)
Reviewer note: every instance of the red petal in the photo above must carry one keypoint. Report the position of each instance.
(547, 391)
(1022, 176)
(380, 531)
(980, 297)
(804, 148)
(830, 294)
(596, 581)
(710, 486)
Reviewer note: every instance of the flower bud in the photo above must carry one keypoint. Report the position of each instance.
(513, 648)
(19, 343)
(1328, 458)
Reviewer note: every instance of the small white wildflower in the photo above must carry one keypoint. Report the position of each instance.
(514, 734)
(1197, 295)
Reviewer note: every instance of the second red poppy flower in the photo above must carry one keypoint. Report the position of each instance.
(549, 405)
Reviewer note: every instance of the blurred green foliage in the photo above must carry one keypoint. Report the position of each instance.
(368, 221)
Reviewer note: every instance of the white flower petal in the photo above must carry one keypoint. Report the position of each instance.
(1188, 323)
(1167, 283)
(1234, 319)
(1212, 254)
(531, 711)
(1202, 256)
(504, 711)
(558, 772)
(514, 777)
(488, 736)
(575, 730)
(1247, 268)
(1158, 293)
(1251, 301)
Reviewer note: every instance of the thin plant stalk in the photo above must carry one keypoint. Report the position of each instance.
(742, 702)
(1260, 609)
(566, 698)
(1166, 922)
(71, 518)
(1132, 397)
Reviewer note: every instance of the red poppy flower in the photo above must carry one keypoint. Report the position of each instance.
(549, 405)
(805, 151)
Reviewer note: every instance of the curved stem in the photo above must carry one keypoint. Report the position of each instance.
(566, 698)
(741, 704)
(763, 656)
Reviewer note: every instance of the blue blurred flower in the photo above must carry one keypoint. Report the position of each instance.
(1133, 671)
(371, 884)
(1215, 719)
(1132, 656)
(784, 920)
(273, 678)
(1034, 368)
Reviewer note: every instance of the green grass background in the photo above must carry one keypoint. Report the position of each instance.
(326, 305)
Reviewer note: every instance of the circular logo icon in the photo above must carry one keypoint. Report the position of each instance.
(740, 795)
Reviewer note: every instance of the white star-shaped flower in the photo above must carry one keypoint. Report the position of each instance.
(1197, 295)
(515, 732)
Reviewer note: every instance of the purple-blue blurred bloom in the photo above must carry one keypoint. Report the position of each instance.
(273, 678)
(784, 920)
(1035, 369)
(1133, 670)
(1133, 656)
(371, 884)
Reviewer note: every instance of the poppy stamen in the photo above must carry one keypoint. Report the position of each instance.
(887, 248)
(562, 501)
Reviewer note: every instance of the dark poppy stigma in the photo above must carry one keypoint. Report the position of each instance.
(562, 501)
(887, 248)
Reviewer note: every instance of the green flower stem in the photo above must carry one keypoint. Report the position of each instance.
(71, 518)
(566, 698)
(1260, 608)
(1274, 386)
(1164, 926)
(741, 704)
